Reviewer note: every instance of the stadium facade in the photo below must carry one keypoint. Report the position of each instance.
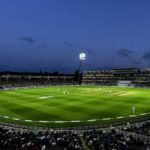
(137, 77)
(33, 79)
(128, 76)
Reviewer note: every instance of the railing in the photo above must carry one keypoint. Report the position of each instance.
(76, 127)
(134, 135)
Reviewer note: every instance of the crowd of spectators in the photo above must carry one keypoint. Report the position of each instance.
(22, 83)
(11, 83)
(100, 140)
(11, 139)
(139, 128)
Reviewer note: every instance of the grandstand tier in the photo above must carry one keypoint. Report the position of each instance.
(138, 77)
(33, 79)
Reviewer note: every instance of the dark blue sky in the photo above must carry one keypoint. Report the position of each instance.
(48, 35)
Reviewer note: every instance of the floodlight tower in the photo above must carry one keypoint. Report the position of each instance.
(82, 57)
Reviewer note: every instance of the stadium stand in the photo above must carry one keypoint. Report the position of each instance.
(12, 140)
(110, 139)
(141, 128)
(138, 77)
(11, 79)
(97, 77)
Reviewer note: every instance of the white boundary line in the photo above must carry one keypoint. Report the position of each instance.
(73, 121)
(120, 117)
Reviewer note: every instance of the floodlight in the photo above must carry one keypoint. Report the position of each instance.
(82, 56)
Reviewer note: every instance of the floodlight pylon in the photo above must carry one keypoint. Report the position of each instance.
(82, 57)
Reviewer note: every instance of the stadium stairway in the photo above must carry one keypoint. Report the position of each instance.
(85, 147)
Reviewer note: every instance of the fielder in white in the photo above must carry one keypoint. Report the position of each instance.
(133, 109)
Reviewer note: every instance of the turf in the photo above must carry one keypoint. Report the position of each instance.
(67, 103)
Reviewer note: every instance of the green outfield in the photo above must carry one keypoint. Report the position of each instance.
(73, 103)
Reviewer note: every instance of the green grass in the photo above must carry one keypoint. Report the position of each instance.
(83, 103)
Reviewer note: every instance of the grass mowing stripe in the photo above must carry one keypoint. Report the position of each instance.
(82, 103)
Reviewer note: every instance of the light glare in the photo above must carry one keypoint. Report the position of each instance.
(82, 56)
